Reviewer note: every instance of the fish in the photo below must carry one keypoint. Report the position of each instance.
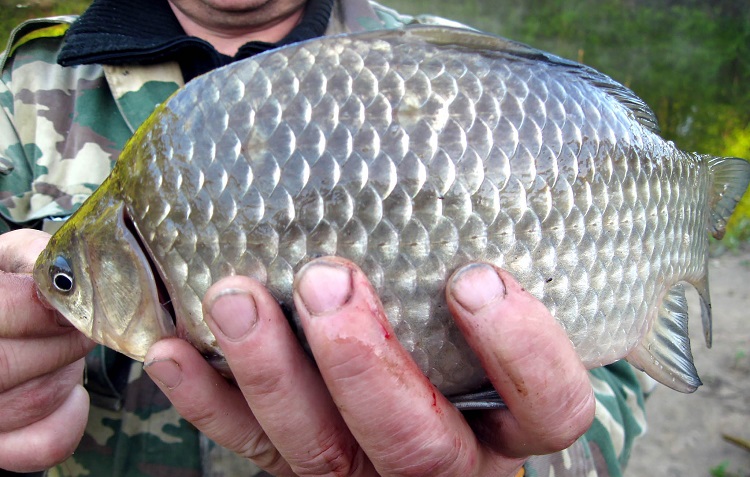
(412, 152)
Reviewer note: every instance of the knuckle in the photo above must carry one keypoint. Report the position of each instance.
(8, 365)
(264, 382)
(201, 416)
(442, 456)
(578, 414)
(260, 450)
(352, 367)
(36, 400)
(251, 442)
(332, 459)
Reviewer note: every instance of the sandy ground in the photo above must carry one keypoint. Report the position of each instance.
(685, 430)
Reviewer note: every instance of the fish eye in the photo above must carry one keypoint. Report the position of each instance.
(62, 275)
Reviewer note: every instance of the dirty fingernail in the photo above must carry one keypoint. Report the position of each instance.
(166, 371)
(324, 286)
(475, 286)
(234, 313)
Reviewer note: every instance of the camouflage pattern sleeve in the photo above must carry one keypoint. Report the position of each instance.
(60, 134)
(62, 128)
(9, 138)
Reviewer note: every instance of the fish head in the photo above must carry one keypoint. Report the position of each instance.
(96, 273)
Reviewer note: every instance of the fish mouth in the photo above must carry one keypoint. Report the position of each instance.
(165, 300)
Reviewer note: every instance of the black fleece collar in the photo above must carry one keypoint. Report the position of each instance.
(117, 32)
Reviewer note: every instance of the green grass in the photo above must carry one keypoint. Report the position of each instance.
(722, 470)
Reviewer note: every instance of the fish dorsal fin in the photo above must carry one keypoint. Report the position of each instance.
(640, 110)
(664, 353)
(730, 178)
(472, 39)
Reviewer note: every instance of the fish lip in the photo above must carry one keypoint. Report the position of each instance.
(165, 299)
(43, 299)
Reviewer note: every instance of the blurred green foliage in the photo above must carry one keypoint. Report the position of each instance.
(722, 470)
(688, 59)
(16, 11)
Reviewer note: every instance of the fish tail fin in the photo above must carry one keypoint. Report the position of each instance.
(664, 353)
(730, 178)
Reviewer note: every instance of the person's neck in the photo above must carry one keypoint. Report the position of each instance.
(228, 40)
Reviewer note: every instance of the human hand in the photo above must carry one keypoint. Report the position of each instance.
(44, 407)
(369, 410)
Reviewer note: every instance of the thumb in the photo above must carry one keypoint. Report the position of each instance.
(529, 359)
(48, 441)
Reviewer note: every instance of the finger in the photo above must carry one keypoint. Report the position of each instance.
(36, 399)
(48, 441)
(20, 248)
(378, 388)
(280, 383)
(22, 360)
(529, 359)
(23, 314)
(212, 404)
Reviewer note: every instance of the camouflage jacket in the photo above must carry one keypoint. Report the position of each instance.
(61, 129)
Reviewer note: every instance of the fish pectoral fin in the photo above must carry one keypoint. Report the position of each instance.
(730, 178)
(664, 353)
(481, 400)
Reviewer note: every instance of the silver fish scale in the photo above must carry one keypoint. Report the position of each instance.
(412, 159)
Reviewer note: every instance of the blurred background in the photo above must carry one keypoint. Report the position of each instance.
(689, 60)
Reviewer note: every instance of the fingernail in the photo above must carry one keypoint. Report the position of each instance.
(476, 285)
(324, 286)
(234, 313)
(166, 371)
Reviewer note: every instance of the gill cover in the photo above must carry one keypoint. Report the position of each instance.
(113, 296)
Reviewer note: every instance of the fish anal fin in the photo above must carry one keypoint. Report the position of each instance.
(705, 298)
(664, 353)
(730, 178)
